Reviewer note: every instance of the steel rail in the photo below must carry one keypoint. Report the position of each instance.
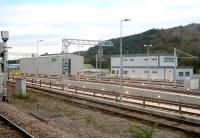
(137, 85)
(141, 86)
(121, 110)
(19, 129)
(132, 97)
(51, 85)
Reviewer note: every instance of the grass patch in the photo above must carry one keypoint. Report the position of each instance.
(28, 98)
(108, 125)
(91, 120)
(20, 97)
(140, 132)
(65, 112)
(103, 126)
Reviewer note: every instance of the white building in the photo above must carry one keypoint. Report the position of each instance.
(52, 64)
(161, 67)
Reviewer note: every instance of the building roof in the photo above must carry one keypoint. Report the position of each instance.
(138, 55)
(177, 67)
(51, 55)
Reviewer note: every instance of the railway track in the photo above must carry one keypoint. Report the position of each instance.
(19, 132)
(146, 86)
(148, 113)
(160, 87)
(137, 81)
(177, 107)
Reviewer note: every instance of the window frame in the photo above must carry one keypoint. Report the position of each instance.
(53, 59)
(181, 72)
(187, 74)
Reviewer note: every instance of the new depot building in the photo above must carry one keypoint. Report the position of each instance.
(160, 67)
(52, 64)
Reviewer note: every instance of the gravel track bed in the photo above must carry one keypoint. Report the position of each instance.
(7, 131)
(30, 124)
(49, 113)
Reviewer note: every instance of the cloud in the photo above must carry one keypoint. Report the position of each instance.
(90, 20)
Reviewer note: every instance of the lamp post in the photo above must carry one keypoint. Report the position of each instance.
(174, 67)
(38, 41)
(79, 53)
(121, 59)
(148, 58)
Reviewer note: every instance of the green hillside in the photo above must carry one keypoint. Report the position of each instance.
(184, 38)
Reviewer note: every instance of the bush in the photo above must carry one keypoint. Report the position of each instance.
(139, 132)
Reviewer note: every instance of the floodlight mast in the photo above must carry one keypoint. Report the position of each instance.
(5, 37)
(65, 50)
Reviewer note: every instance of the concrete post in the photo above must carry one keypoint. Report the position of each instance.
(179, 106)
(20, 86)
(144, 102)
(50, 84)
(40, 83)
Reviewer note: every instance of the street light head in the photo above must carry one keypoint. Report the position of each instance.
(40, 40)
(5, 35)
(147, 45)
(126, 20)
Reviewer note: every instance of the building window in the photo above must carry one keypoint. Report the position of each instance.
(125, 72)
(154, 72)
(145, 71)
(132, 59)
(53, 59)
(187, 73)
(117, 72)
(125, 59)
(113, 72)
(146, 59)
(168, 59)
(180, 74)
(154, 58)
(133, 71)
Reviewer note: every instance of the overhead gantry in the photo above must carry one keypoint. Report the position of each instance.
(65, 50)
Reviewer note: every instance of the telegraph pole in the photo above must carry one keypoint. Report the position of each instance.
(121, 60)
(96, 64)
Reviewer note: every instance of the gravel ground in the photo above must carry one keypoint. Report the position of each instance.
(32, 125)
(74, 121)
(7, 131)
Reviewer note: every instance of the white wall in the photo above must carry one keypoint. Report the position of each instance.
(137, 65)
(184, 73)
(155, 73)
(167, 61)
(26, 65)
(77, 63)
(44, 65)
(51, 65)
(135, 61)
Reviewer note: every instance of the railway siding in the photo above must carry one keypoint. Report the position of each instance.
(159, 116)
(176, 97)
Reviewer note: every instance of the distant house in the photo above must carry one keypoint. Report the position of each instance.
(161, 67)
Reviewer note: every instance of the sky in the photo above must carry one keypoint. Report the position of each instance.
(52, 20)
